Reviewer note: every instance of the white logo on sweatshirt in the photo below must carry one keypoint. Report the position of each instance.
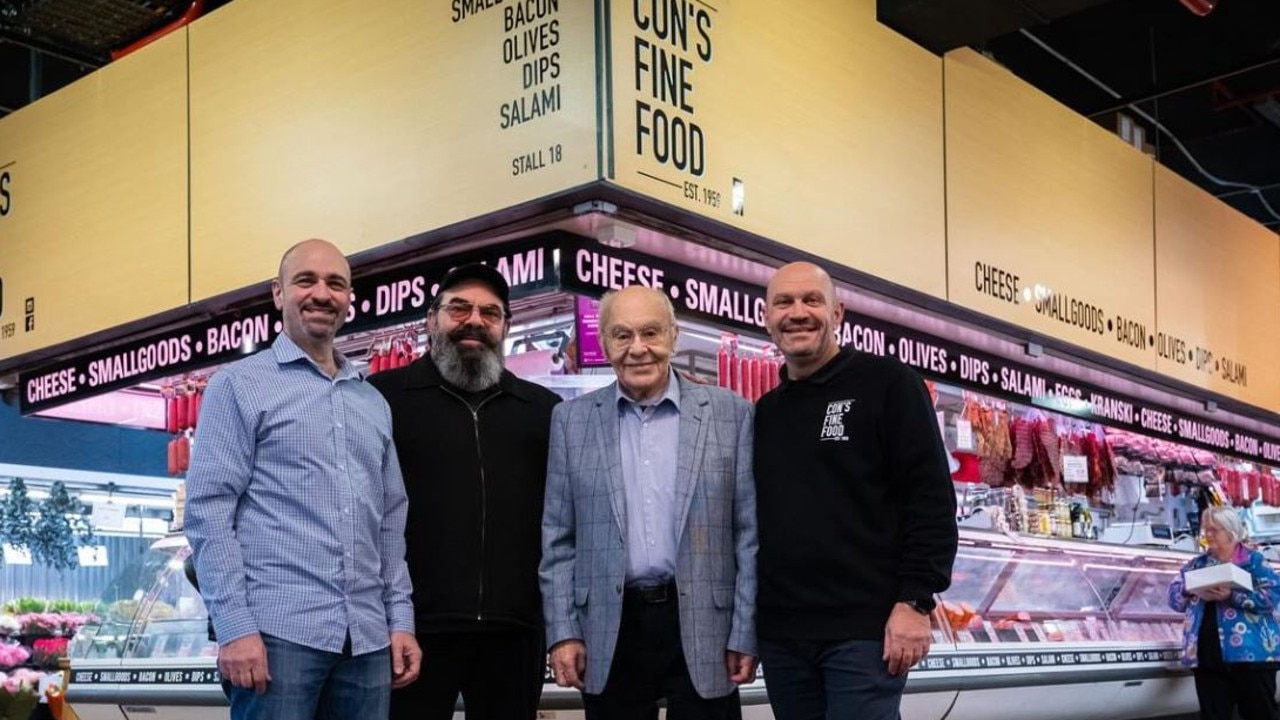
(833, 424)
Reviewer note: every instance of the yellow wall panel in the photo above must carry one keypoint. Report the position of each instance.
(1049, 217)
(93, 202)
(1217, 294)
(832, 123)
(367, 123)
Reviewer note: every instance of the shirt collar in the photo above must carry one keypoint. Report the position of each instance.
(287, 351)
(824, 373)
(672, 394)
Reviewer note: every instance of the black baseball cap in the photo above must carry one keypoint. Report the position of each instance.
(483, 273)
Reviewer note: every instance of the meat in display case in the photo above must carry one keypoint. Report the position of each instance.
(1031, 627)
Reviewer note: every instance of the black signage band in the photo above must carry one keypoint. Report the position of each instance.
(593, 269)
(379, 300)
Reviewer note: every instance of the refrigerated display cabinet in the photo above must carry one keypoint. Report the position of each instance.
(1031, 627)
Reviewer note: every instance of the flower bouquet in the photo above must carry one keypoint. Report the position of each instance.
(18, 694)
(46, 652)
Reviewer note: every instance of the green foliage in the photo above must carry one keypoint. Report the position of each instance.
(17, 516)
(61, 526)
(23, 605)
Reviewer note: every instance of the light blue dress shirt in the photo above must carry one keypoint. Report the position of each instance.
(649, 436)
(296, 507)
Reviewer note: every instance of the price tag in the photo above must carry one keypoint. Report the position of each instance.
(93, 555)
(108, 516)
(964, 435)
(16, 555)
(1075, 469)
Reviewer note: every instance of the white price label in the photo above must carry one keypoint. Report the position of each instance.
(16, 555)
(92, 555)
(108, 516)
(964, 435)
(1075, 469)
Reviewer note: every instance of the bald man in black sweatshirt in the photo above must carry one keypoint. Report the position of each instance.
(856, 515)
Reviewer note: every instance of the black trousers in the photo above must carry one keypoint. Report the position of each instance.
(499, 674)
(649, 665)
(1250, 688)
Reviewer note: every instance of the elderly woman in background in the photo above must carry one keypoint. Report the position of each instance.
(1231, 638)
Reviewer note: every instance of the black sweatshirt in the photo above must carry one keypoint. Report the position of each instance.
(855, 503)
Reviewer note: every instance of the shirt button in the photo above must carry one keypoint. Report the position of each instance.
(346, 510)
(348, 554)
(339, 426)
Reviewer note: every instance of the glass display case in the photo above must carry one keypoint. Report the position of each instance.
(149, 611)
(1022, 613)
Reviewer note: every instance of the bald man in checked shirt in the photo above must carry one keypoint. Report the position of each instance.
(296, 512)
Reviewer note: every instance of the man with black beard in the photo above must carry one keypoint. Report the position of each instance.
(472, 440)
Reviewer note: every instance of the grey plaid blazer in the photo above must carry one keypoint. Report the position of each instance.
(584, 532)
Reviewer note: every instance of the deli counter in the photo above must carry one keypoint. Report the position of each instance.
(1031, 627)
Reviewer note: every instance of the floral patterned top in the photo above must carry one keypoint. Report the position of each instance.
(1247, 627)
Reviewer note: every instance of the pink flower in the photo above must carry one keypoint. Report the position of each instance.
(12, 655)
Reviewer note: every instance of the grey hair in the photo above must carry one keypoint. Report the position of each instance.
(1225, 518)
(606, 307)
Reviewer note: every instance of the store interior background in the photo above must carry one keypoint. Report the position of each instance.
(1198, 92)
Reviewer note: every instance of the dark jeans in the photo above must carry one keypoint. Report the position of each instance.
(1250, 688)
(498, 672)
(648, 665)
(308, 684)
(826, 680)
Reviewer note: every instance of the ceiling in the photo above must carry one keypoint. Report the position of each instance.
(1205, 89)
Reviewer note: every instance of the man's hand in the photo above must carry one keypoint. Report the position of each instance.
(741, 667)
(569, 663)
(243, 662)
(406, 659)
(906, 638)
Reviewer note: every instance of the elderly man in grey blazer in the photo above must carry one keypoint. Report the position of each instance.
(649, 531)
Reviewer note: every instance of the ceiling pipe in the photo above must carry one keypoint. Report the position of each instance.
(193, 12)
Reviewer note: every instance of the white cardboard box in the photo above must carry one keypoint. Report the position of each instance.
(1215, 575)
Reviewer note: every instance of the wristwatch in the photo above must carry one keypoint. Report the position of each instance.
(924, 605)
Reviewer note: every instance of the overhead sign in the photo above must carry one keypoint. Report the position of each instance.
(1049, 217)
(369, 123)
(378, 300)
(93, 195)
(812, 125)
(1217, 294)
(590, 268)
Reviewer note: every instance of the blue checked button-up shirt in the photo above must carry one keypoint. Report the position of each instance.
(296, 507)
(649, 436)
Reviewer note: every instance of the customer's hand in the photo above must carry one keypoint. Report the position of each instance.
(406, 659)
(1217, 593)
(906, 638)
(569, 663)
(243, 662)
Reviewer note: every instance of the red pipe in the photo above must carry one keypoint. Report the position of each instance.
(193, 12)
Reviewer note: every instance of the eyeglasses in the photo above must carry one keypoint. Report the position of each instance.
(625, 336)
(460, 310)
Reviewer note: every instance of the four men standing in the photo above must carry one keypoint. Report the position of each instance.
(648, 524)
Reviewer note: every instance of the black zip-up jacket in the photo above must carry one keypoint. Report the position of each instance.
(475, 482)
(854, 500)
